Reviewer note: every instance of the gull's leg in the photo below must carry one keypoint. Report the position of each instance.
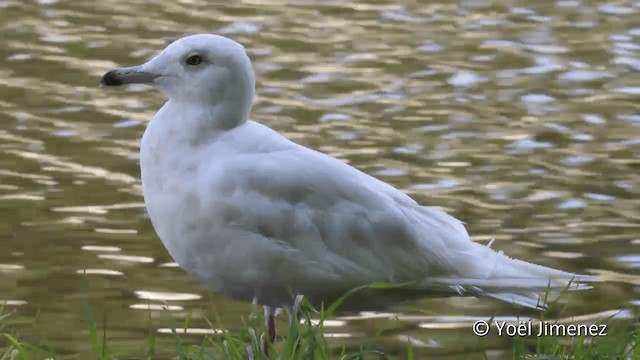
(270, 322)
(270, 316)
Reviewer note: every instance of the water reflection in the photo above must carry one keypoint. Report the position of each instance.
(156, 307)
(166, 296)
(106, 272)
(98, 248)
(127, 258)
(11, 267)
(191, 331)
(12, 302)
(503, 113)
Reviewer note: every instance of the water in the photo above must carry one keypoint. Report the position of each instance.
(519, 118)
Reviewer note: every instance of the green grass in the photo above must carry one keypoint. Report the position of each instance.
(305, 340)
(621, 342)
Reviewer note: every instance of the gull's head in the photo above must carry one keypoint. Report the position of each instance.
(205, 69)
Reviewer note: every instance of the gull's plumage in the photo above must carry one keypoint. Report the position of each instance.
(259, 218)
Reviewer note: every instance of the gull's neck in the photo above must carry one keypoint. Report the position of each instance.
(179, 136)
(193, 123)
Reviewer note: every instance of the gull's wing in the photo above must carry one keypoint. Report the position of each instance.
(310, 223)
(330, 222)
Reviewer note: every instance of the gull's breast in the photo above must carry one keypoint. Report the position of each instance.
(184, 193)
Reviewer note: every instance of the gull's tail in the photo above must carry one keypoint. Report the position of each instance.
(492, 274)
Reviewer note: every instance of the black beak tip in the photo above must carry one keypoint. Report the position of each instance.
(111, 79)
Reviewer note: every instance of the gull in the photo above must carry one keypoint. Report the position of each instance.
(260, 218)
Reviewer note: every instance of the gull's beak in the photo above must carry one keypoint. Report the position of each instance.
(128, 75)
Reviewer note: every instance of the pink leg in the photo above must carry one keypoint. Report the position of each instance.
(271, 327)
(270, 322)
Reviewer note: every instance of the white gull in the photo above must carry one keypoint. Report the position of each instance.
(260, 218)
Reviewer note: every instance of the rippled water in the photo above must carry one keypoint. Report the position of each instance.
(521, 118)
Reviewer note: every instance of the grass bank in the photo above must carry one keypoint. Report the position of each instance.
(306, 339)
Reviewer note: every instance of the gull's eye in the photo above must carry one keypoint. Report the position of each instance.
(194, 60)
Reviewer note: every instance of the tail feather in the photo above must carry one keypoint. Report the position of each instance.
(487, 273)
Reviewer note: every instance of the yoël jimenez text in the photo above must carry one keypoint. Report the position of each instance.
(545, 328)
